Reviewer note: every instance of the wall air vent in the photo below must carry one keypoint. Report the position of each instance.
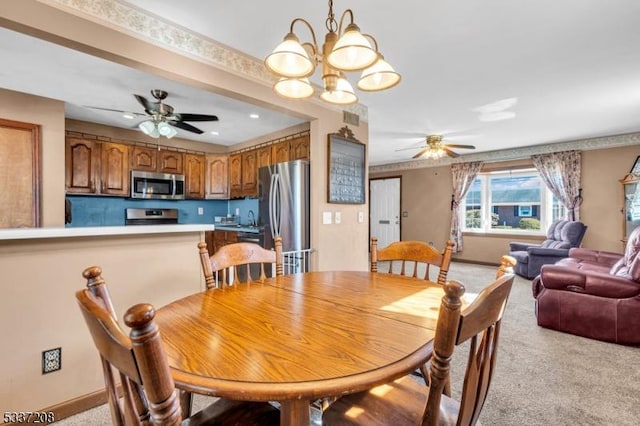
(350, 118)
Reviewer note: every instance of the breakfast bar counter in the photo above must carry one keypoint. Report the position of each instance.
(96, 231)
(42, 270)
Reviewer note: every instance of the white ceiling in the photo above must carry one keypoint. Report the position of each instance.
(566, 69)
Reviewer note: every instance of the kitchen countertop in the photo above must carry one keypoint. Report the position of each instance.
(241, 228)
(93, 231)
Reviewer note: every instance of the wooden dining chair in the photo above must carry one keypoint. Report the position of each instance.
(223, 267)
(410, 256)
(148, 392)
(408, 402)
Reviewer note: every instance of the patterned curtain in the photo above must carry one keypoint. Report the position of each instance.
(463, 175)
(560, 171)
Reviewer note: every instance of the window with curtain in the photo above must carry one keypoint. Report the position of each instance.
(509, 202)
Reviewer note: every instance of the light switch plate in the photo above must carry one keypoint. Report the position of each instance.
(338, 217)
(360, 217)
(326, 218)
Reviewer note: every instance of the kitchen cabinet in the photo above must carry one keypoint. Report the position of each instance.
(82, 166)
(217, 176)
(170, 162)
(114, 166)
(299, 148)
(630, 206)
(93, 167)
(194, 166)
(264, 156)
(280, 152)
(250, 173)
(235, 175)
(144, 158)
(222, 238)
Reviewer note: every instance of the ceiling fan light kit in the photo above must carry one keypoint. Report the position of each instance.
(162, 120)
(351, 51)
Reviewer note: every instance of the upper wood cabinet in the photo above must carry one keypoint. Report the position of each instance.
(299, 148)
(250, 173)
(170, 162)
(194, 165)
(280, 152)
(235, 175)
(264, 156)
(217, 176)
(114, 166)
(93, 167)
(144, 158)
(82, 166)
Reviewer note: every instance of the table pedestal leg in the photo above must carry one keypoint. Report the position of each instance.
(294, 412)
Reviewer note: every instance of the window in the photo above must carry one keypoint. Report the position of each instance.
(509, 202)
(525, 211)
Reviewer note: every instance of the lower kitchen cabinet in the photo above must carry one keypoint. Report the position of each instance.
(217, 239)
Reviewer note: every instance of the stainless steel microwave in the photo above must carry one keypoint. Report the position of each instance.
(163, 186)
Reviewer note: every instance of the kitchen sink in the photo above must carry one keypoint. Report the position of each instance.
(241, 228)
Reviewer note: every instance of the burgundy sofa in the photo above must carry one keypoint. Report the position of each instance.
(592, 293)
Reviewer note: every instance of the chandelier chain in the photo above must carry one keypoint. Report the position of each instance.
(331, 23)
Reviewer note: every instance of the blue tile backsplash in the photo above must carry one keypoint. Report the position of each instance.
(109, 211)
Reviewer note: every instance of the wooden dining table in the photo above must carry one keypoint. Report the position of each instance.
(297, 338)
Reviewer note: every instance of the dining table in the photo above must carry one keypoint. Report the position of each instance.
(294, 339)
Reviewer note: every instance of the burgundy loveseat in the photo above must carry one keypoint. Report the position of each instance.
(592, 293)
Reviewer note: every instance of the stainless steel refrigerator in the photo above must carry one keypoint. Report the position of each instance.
(283, 191)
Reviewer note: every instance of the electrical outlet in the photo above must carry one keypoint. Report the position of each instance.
(200, 211)
(51, 360)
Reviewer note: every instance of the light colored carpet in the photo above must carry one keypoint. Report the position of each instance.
(543, 377)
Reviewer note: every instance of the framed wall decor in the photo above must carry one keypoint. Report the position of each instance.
(635, 170)
(346, 168)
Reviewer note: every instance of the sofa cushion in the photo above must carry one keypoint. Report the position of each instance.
(522, 257)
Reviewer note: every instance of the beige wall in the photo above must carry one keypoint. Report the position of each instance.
(38, 310)
(49, 115)
(426, 194)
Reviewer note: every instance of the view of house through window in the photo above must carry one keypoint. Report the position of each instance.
(509, 201)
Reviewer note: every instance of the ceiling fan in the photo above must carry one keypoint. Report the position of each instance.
(161, 116)
(435, 148)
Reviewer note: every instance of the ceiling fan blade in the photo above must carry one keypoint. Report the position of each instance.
(185, 126)
(195, 117)
(448, 145)
(149, 107)
(421, 152)
(115, 110)
(411, 147)
(450, 153)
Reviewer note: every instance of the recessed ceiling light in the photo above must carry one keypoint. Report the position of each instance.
(127, 115)
(213, 132)
(254, 116)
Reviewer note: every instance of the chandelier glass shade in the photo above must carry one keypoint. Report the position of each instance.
(342, 51)
(156, 128)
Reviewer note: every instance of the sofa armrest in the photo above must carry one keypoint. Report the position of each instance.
(595, 256)
(518, 246)
(599, 284)
(544, 251)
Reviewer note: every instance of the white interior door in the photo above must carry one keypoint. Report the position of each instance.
(385, 210)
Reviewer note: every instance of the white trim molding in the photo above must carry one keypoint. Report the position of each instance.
(154, 29)
(515, 153)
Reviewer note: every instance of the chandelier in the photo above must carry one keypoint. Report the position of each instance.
(342, 51)
(157, 127)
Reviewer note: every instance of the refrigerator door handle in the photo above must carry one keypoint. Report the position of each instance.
(277, 195)
(272, 190)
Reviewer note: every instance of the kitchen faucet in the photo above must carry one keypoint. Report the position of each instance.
(252, 218)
